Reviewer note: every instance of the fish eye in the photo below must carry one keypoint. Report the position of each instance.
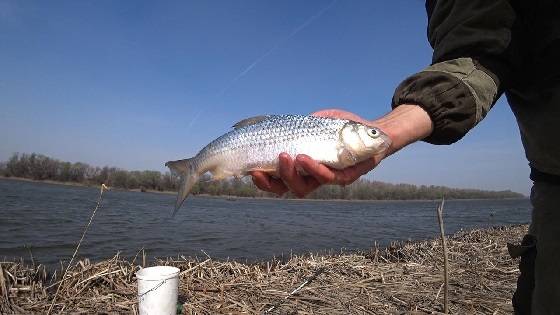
(373, 132)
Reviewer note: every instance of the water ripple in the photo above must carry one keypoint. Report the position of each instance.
(51, 218)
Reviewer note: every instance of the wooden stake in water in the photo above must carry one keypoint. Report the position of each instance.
(103, 188)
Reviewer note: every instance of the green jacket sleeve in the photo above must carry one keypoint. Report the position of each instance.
(471, 40)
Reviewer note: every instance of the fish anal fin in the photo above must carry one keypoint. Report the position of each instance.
(250, 121)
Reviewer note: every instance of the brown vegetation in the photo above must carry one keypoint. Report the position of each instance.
(40, 167)
(402, 278)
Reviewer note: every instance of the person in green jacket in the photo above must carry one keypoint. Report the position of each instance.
(482, 49)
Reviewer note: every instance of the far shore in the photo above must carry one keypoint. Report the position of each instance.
(228, 197)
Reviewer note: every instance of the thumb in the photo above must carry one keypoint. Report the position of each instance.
(328, 113)
(341, 114)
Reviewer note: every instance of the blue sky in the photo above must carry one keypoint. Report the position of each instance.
(134, 84)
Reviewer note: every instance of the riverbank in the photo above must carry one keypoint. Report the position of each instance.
(74, 184)
(401, 278)
(227, 197)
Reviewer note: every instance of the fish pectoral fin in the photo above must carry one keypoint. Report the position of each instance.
(346, 157)
(220, 173)
(250, 121)
(271, 170)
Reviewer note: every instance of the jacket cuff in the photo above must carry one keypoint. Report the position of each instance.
(456, 95)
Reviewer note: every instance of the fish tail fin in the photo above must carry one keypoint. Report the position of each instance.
(188, 174)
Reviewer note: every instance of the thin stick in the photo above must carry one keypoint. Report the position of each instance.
(445, 261)
(136, 256)
(103, 188)
(3, 286)
(296, 290)
(193, 268)
(31, 255)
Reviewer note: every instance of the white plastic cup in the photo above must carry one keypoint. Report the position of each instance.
(158, 290)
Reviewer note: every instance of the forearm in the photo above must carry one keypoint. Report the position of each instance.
(404, 125)
(474, 51)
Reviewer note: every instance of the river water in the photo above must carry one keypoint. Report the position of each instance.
(50, 219)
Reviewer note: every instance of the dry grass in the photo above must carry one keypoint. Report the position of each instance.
(403, 278)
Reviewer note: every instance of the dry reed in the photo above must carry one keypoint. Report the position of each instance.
(445, 258)
(401, 278)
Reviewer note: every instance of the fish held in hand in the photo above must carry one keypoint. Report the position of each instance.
(255, 143)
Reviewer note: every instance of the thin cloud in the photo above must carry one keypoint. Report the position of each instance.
(194, 119)
(298, 29)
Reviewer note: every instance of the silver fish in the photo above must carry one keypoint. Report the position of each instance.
(256, 142)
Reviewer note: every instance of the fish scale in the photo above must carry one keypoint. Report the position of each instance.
(255, 143)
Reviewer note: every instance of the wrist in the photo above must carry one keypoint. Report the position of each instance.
(404, 125)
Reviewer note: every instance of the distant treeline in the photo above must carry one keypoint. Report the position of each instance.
(41, 167)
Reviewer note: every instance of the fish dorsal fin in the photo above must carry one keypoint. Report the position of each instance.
(250, 121)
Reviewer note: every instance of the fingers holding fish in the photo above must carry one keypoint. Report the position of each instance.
(290, 177)
(322, 173)
(266, 182)
(298, 184)
(326, 175)
(351, 174)
(317, 174)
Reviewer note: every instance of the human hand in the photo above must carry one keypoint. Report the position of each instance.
(289, 179)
